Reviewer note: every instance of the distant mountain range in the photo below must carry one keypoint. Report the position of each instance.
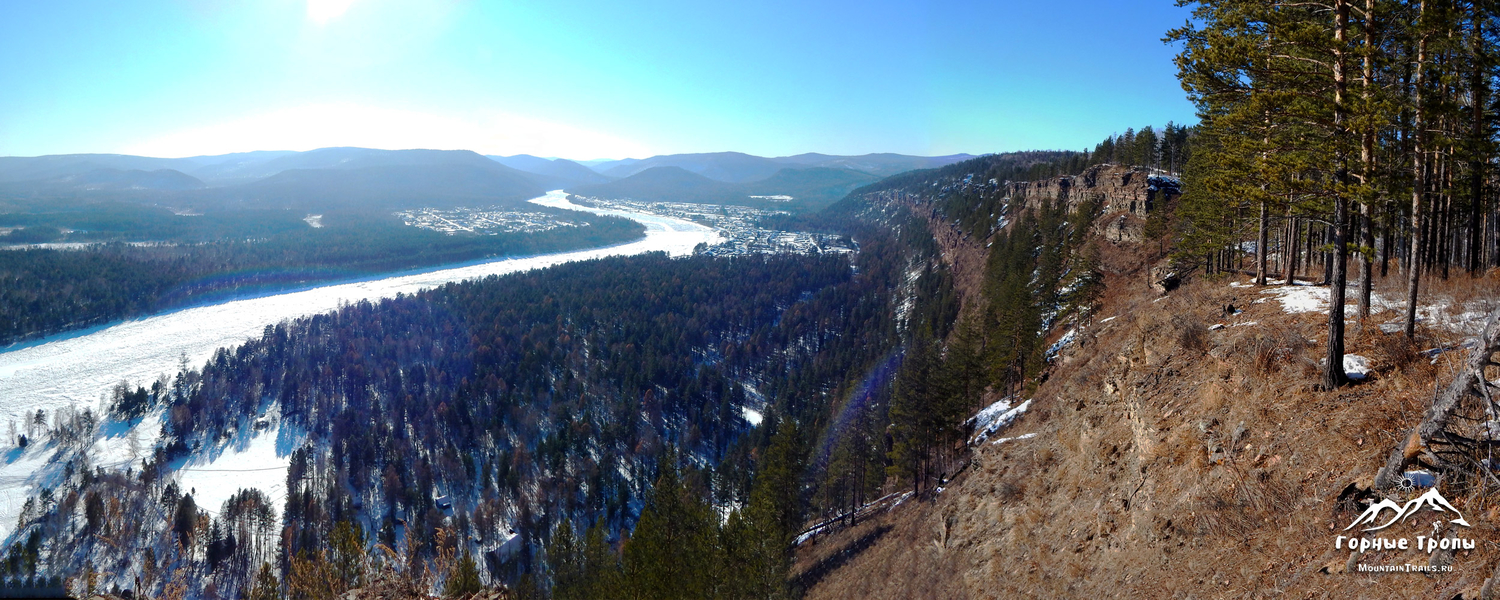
(362, 177)
(384, 187)
(794, 188)
(736, 167)
(560, 172)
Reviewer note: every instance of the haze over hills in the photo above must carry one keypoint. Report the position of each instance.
(880, 165)
(348, 177)
(36, 168)
(360, 158)
(811, 183)
(559, 172)
(733, 167)
(385, 187)
(116, 179)
(794, 188)
(659, 184)
(227, 169)
(737, 167)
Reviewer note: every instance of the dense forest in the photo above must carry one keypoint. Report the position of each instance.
(47, 291)
(1342, 134)
(481, 423)
(72, 220)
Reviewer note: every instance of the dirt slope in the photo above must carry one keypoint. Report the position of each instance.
(1171, 460)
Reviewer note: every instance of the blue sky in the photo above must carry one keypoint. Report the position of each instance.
(582, 79)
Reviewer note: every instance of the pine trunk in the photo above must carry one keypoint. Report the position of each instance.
(1333, 370)
(1419, 184)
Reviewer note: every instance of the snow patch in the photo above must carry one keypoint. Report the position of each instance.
(1356, 367)
(1297, 299)
(1024, 436)
(257, 462)
(995, 417)
(752, 416)
(1061, 343)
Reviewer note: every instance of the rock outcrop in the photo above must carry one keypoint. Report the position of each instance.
(1122, 190)
(1126, 196)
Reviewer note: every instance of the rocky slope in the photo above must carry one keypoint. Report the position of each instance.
(1179, 447)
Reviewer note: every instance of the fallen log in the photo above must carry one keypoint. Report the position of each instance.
(1470, 381)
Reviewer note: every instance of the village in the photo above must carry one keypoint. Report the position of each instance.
(739, 225)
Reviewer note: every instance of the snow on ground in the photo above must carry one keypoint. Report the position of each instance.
(255, 460)
(119, 444)
(1024, 436)
(1300, 297)
(1303, 297)
(22, 473)
(755, 404)
(995, 417)
(888, 502)
(1356, 367)
(1061, 343)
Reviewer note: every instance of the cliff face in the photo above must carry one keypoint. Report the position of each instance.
(1126, 195)
(1122, 189)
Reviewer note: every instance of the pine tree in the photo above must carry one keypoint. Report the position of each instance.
(185, 520)
(265, 587)
(463, 579)
(672, 552)
(347, 554)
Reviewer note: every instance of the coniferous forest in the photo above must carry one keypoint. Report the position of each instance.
(1348, 140)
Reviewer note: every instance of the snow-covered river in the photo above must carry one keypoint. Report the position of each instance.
(80, 369)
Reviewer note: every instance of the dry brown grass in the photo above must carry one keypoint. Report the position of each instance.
(1176, 462)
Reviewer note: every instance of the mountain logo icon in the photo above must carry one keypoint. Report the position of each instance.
(1432, 500)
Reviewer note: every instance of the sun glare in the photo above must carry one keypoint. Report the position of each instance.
(323, 11)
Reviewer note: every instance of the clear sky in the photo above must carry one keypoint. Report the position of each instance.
(582, 79)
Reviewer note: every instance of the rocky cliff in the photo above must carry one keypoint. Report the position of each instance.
(1126, 196)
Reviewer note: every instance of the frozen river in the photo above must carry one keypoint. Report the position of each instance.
(79, 370)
